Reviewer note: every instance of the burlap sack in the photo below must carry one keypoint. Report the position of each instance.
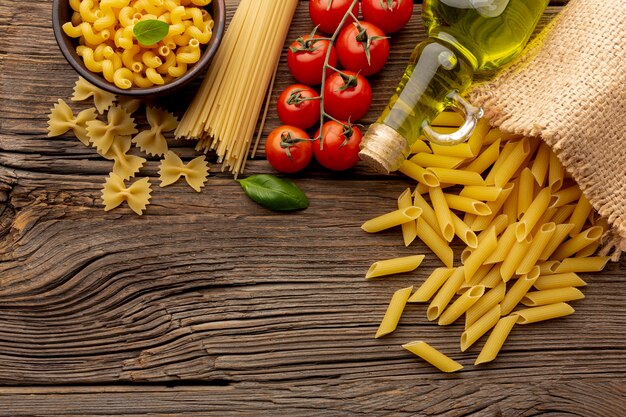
(569, 88)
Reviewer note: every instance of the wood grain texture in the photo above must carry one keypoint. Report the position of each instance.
(260, 312)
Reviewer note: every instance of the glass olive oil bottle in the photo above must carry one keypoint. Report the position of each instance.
(465, 38)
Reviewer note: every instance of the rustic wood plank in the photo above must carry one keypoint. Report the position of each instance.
(265, 312)
(396, 395)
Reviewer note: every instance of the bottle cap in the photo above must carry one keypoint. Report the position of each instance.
(383, 149)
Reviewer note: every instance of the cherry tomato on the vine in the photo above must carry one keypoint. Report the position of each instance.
(362, 46)
(288, 159)
(299, 105)
(306, 56)
(347, 96)
(328, 18)
(340, 150)
(389, 15)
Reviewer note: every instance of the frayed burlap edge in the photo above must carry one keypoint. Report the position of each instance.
(492, 97)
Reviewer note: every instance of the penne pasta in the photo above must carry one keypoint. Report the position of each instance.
(480, 327)
(556, 173)
(565, 196)
(463, 231)
(557, 295)
(591, 264)
(486, 158)
(428, 213)
(500, 224)
(505, 172)
(420, 146)
(560, 234)
(433, 356)
(510, 205)
(442, 211)
(457, 176)
(548, 267)
(506, 151)
(578, 243)
(481, 192)
(477, 138)
(409, 229)
(432, 284)
(489, 300)
(394, 266)
(515, 257)
(540, 164)
(389, 220)
(476, 279)
(448, 118)
(550, 282)
(419, 174)
(504, 246)
(545, 218)
(589, 250)
(532, 215)
(493, 277)
(483, 222)
(542, 313)
(461, 305)
(579, 215)
(539, 243)
(428, 160)
(496, 134)
(518, 291)
(526, 192)
(394, 312)
(477, 258)
(432, 239)
(445, 294)
(563, 214)
(467, 205)
(462, 150)
(496, 339)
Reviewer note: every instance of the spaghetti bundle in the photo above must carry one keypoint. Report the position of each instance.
(224, 113)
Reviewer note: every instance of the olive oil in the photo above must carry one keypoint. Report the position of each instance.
(466, 38)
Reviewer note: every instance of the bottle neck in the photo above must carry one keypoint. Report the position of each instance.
(434, 73)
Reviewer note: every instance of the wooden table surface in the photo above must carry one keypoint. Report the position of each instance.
(211, 305)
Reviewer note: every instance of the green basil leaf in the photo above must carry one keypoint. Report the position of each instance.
(274, 193)
(149, 32)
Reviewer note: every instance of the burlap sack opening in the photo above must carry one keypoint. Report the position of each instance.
(569, 88)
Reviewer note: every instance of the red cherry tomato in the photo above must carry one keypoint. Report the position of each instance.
(353, 43)
(327, 18)
(298, 156)
(389, 15)
(347, 96)
(299, 105)
(305, 58)
(340, 149)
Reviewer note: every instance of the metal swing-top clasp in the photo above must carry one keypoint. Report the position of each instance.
(471, 115)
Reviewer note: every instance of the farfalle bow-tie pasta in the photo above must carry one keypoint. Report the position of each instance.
(83, 89)
(195, 172)
(119, 123)
(125, 165)
(61, 119)
(152, 141)
(115, 193)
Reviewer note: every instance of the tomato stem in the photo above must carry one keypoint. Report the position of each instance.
(333, 39)
(288, 141)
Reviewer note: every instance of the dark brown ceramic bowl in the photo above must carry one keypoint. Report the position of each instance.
(61, 13)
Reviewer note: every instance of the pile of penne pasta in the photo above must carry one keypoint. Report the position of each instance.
(527, 227)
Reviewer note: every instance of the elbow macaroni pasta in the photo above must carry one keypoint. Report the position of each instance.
(126, 63)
